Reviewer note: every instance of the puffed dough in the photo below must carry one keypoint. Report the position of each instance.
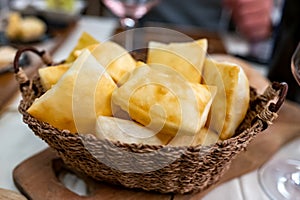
(116, 129)
(25, 29)
(160, 98)
(186, 58)
(115, 59)
(232, 99)
(81, 95)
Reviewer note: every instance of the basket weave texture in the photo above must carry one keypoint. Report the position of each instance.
(193, 168)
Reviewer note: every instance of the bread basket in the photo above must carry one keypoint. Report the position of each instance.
(184, 169)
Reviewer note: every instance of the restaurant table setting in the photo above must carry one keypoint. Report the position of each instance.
(31, 167)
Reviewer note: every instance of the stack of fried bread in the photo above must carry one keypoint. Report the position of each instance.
(24, 29)
(178, 96)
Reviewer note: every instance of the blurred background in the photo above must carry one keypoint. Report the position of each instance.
(269, 29)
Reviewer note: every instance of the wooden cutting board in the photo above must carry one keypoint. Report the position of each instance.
(37, 177)
(10, 195)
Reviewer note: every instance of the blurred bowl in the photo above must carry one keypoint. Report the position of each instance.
(7, 54)
(53, 17)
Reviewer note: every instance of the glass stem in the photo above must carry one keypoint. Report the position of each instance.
(127, 24)
(295, 178)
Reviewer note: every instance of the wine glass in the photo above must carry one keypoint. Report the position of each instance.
(129, 11)
(280, 177)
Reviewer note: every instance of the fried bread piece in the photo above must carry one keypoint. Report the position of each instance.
(127, 131)
(161, 99)
(78, 98)
(232, 99)
(186, 58)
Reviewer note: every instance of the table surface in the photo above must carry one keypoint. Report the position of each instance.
(19, 143)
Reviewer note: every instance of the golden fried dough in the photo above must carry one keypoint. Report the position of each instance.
(160, 98)
(232, 99)
(78, 98)
(122, 130)
(186, 58)
(115, 59)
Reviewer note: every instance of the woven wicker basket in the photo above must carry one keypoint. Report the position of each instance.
(193, 168)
